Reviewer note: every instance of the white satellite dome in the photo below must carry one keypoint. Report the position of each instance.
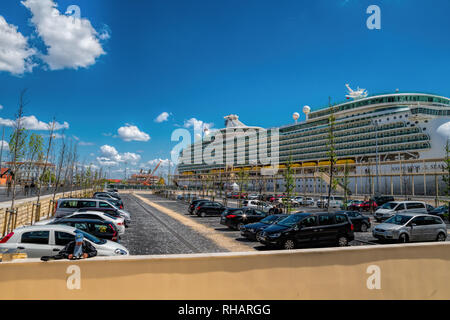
(295, 116)
(444, 130)
(306, 109)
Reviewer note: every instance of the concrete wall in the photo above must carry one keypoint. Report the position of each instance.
(412, 271)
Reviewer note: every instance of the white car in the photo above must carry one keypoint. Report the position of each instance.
(118, 222)
(256, 204)
(48, 240)
(335, 202)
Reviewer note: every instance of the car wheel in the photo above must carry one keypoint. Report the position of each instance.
(239, 225)
(258, 236)
(203, 214)
(403, 238)
(441, 237)
(289, 245)
(342, 241)
(364, 227)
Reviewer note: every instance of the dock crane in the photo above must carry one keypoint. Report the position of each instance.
(147, 181)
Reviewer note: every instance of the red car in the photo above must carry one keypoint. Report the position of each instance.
(363, 205)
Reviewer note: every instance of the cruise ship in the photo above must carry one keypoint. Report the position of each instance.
(388, 129)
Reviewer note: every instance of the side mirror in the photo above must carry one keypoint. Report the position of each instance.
(296, 228)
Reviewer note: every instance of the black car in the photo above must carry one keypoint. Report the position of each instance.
(100, 229)
(208, 208)
(253, 231)
(360, 222)
(235, 218)
(193, 204)
(441, 212)
(309, 229)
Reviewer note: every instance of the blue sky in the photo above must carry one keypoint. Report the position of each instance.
(203, 59)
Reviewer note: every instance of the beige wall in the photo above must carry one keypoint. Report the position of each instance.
(412, 271)
(27, 211)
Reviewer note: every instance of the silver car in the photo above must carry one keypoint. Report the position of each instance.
(408, 227)
(48, 240)
(67, 206)
(392, 208)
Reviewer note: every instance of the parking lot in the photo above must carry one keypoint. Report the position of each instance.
(164, 226)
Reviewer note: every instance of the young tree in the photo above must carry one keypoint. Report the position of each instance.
(17, 146)
(289, 182)
(331, 152)
(59, 168)
(243, 182)
(35, 153)
(45, 170)
(345, 184)
(446, 175)
(17, 149)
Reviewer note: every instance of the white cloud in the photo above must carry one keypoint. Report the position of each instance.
(83, 143)
(163, 167)
(109, 151)
(132, 133)
(71, 41)
(5, 145)
(130, 157)
(110, 156)
(164, 162)
(197, 125)
(162, 117)
(1, 107)
(15, 53)
(32, 123)
(200, 128)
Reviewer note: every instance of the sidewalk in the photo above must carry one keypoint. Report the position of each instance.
(7, 203)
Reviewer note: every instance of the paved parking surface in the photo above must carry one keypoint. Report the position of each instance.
(153, 231)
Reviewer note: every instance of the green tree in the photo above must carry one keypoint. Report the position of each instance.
(47, 177)
(446, 175)
(345, 183)
(17, 146)
(243, 182)
(289, 182)
(331, 152)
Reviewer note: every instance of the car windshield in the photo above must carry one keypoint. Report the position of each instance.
(91, 238)
(270, 219)
(110, 216)
(389, 205)
(398, 219)
(291, 220)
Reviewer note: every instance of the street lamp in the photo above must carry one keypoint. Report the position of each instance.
(375, 124)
